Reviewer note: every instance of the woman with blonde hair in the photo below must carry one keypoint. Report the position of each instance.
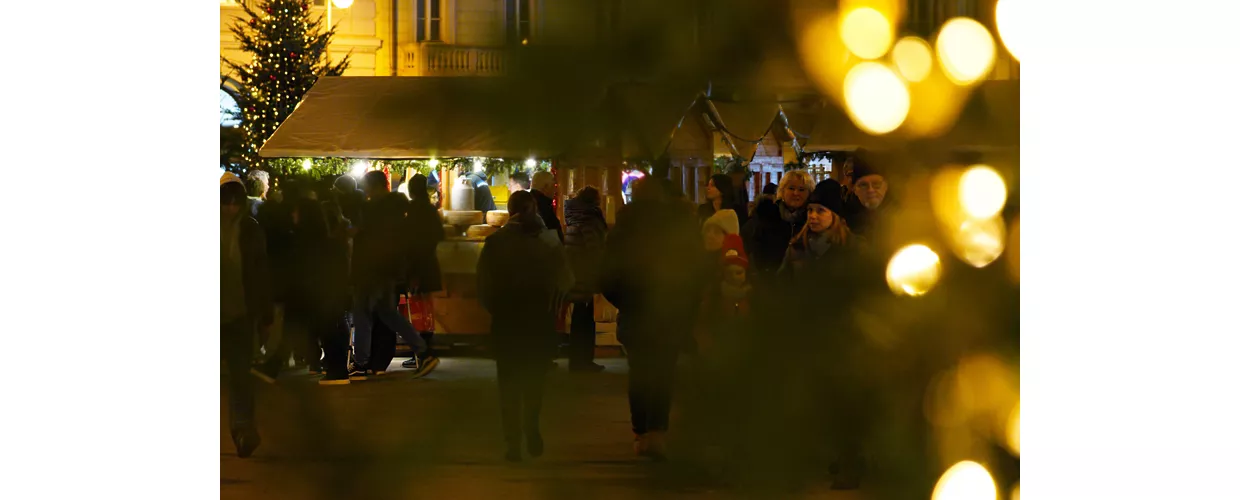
(774, 223)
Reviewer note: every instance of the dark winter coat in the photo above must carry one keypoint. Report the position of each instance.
(584, 242)
(425, 233)
(255, 271)
(276, 220)
(320, 266)
(766, 237)
(523, 276)
(652, 272)
(546, 210)
(483, 199)
(380, 247)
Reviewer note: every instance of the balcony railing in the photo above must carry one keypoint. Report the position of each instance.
(438, 59)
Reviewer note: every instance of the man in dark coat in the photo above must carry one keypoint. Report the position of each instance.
(584, 241)
(523, 276)
(380, 262)
(349, 197)
(867, 204)
(543, 188)
(652, 274)
(483, 199)
(425, 231)
(245, 304)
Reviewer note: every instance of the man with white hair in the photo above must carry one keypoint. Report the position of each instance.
(542, 186)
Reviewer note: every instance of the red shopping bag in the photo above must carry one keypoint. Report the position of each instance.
(420, 311)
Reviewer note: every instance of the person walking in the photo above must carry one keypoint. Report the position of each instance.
(256, 184)
(245, 305)
(652, 274)
(319, 301)
(584, 241)
(379, 262)
(425, 231)
(523, 276)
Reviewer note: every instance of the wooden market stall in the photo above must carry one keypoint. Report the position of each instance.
(392, 118)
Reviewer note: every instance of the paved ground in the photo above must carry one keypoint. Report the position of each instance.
(439, 437)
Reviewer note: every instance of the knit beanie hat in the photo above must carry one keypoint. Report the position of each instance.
(863, 166)
(725, 220)
(734, 251)
(827, 193)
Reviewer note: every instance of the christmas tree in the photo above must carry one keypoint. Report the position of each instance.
(288, 50)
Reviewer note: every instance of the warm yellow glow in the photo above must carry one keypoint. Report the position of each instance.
(434, 163)
(913, 270)
(982, 192)
(1011, 27)
(1013, 255)
(877, 100)
(980, 241)
(360, 167)
(912, 58)
(1013, 430)
(306, 164)
(866, 32)
(530, 163)
(965, 481)
(1016, 492)
(965, 50)
(342, 4)
(477, 164)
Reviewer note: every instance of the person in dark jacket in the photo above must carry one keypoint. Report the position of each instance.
(825, 270)
(523, 276)
(380, 261)
(543, 189)
(425, 232)
(349, 197)
(245, 305)
(584, 241)
(868, 206)
(652, 274)
(773, 225)
(319, 300)
(483, 199)
(720, 195)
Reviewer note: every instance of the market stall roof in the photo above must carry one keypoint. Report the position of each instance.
(833, 130)
(653, 111)
(426, 117)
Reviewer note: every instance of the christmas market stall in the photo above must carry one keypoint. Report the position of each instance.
(450, 127)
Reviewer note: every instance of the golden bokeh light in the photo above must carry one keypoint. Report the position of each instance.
(913, 58)
(979, 242)
(1013, 255)
(965, 50)
(966, 480)
(982, 192)
(876, 98)
(342, 4)
(1009, 23)
(1013, 430)
(1016, 492)
(913, 270)
(866, 32)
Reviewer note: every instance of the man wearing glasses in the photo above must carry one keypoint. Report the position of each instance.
(869, 189)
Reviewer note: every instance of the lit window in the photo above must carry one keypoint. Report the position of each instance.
(429, 20)
(517, 15)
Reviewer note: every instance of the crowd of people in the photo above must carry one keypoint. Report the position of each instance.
(716, 281)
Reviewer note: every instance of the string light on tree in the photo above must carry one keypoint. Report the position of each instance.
(288, 33)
